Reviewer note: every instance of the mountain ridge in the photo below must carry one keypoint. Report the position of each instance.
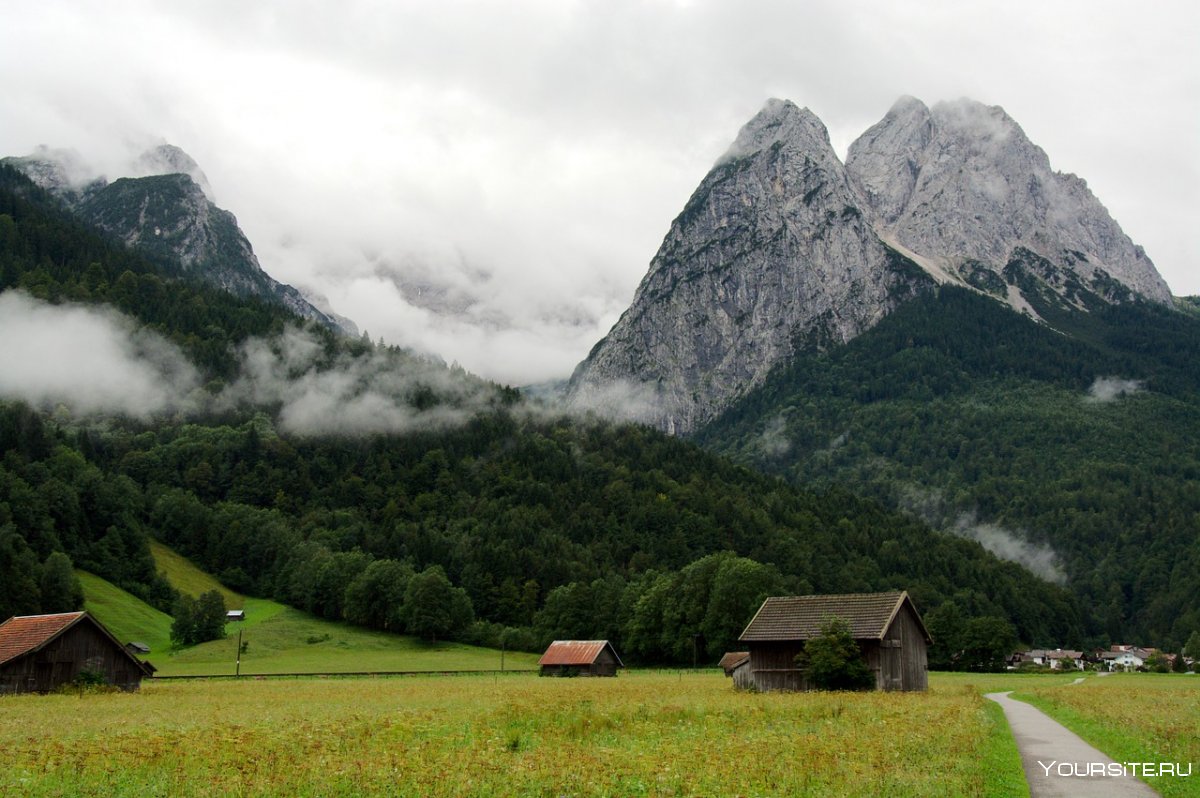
(165, 208)
(782, 249)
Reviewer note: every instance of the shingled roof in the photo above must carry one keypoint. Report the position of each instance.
(576, 652)
(801, 617)
(26, 633)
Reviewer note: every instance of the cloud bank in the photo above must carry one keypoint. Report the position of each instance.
(96, 362)
(92, 360)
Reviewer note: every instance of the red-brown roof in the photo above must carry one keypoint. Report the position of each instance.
(26, 633)
(732, 659)
(801, 617)
(576, 652)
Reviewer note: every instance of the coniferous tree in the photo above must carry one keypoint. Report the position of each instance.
(60, 587)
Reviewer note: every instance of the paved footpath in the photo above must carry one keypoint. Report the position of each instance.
(1052, 756)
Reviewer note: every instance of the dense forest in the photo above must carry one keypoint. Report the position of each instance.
(519, 524)
(1073, 444)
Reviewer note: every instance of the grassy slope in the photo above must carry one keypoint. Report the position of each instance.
(187, 578)
(280, 639)
(125, 615)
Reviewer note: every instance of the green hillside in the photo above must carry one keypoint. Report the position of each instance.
(125, 615)
(187, 578)
(1080, 451)
(283, 640)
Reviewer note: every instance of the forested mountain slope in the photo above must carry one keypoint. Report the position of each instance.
(1072, 445)
(336, 475)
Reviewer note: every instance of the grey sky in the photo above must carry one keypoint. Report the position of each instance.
(488, 181)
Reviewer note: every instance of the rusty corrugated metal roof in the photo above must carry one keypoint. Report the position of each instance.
(801, 617)
(576, 652)
(26, 633)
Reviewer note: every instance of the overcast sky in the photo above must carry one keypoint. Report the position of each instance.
(489, 181)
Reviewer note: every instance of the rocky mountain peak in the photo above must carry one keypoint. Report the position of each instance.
(772, 251)
(62, 172)
(164, 208)
(781, 248)
(963, 189)
(779, 122)
(167, 159)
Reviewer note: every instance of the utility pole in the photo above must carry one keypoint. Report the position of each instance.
(238, 670)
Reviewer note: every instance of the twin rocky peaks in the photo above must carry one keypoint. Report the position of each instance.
(783, 247)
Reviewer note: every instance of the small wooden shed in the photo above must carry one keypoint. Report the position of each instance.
(887, 627)
(737, 665)
(39, 653)
(580, 658)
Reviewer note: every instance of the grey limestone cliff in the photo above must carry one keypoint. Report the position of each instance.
(773, 251)
(963, 188)
(782, 247)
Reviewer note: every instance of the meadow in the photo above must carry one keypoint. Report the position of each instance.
(643, 733)
(279, 639)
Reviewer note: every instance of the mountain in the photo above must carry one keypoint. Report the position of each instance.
(772, 252)
(782, 249)
(550, 526)
(167, 213)
(963, 189)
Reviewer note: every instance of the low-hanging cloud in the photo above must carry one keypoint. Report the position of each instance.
(1109, 389)
(382, 391)
(93, 361)
(1039, 559)
(96, 362)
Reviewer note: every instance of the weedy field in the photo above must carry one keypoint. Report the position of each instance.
(653, 734)
(1136, 717)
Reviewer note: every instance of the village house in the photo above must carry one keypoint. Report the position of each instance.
(580, 658)
(39, 653)
(1055, 659)
(887, 627)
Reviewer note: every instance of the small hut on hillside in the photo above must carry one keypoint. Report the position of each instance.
(580, 658)
(887, 627)
(39, 653)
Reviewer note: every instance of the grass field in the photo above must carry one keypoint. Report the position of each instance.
(283, 640)
(1137, 717)
(279, 639)
(643, 733)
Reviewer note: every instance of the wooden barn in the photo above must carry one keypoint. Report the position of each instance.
(887, 627)
(737, 665)
(39, 653)
(580, 658)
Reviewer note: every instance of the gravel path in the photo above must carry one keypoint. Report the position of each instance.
(1057, 762)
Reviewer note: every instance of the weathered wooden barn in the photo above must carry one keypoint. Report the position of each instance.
(737, 665)
(38, 653)
(887, 627)
(580, 658)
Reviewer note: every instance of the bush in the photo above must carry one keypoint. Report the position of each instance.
(833, 661)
